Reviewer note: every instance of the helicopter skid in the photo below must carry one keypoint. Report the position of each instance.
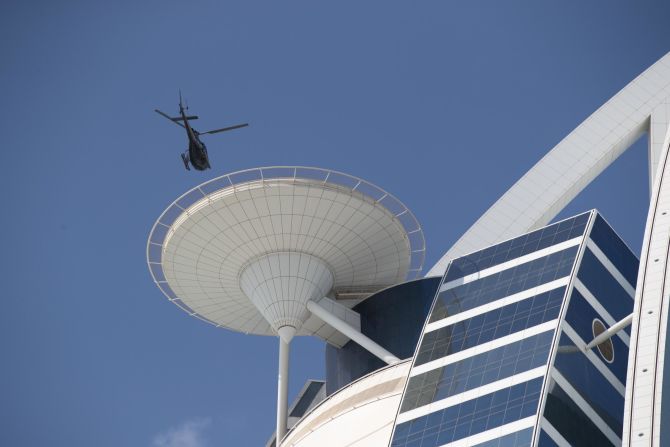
(184, 158)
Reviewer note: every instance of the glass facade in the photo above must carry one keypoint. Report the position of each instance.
(502, 284)
(517, 247)
(580, 316)
(570, 420)
(594, 275)
(477, 370)
(516, 362)
(311, 395)
(491, 325)
(471, 417)
(583, 375)
(307, 399)
(615, 249)
(519, 439)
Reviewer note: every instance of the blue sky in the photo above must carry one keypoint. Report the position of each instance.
(444, 104)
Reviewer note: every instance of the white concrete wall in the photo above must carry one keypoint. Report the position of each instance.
(647, 374)
(359, 415)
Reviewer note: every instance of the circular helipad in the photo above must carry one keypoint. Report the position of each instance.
(354, 234)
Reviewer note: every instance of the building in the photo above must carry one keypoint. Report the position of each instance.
(288, 251)
(640, 108)
(502, 358)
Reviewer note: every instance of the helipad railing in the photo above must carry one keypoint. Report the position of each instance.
(162, 227)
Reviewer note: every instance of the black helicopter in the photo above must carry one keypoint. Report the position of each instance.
(196, 154)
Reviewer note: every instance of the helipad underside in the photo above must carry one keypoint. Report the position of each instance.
(204, 240)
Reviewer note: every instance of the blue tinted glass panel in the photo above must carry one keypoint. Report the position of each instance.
(471, 417)
(523, 245)
(477, 370)
(580, 316)
(604, 287)
(545, 440)
(306, 399)
(502, 284)
(615, 249)
(592, 386)
(490, 325)
(519, 439)
(570, 421)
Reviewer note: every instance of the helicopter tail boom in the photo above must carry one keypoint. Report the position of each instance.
(177, 120)
(190, 117)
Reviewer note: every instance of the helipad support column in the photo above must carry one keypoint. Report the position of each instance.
(280, 285)
(285, 335)
(249, 250)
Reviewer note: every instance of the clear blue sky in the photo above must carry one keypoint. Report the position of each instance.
(445, 104)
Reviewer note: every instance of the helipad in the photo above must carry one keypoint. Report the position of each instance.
(203, 241)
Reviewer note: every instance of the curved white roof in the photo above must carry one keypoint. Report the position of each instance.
(203, 241)
(359, 415)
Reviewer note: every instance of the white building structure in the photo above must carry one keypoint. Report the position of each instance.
(284, 251)
(643, 106)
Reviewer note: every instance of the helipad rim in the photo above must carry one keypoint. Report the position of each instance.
(160, 229)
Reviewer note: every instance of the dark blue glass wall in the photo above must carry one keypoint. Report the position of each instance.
(603, 393)
(570, 421)
(602, 285)
(393, 318)
(615, 249)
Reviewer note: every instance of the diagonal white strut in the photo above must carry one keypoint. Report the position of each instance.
(609, 333)
(352, 333)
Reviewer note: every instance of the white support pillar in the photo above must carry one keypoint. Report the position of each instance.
(285, 335)
(646, 387)
(609, 333)
(352, 333)
(658, 126)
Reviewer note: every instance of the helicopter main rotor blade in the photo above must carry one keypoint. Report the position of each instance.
(169, 117)
(225, 129)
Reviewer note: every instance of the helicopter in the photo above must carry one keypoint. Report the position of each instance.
(196, 155)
